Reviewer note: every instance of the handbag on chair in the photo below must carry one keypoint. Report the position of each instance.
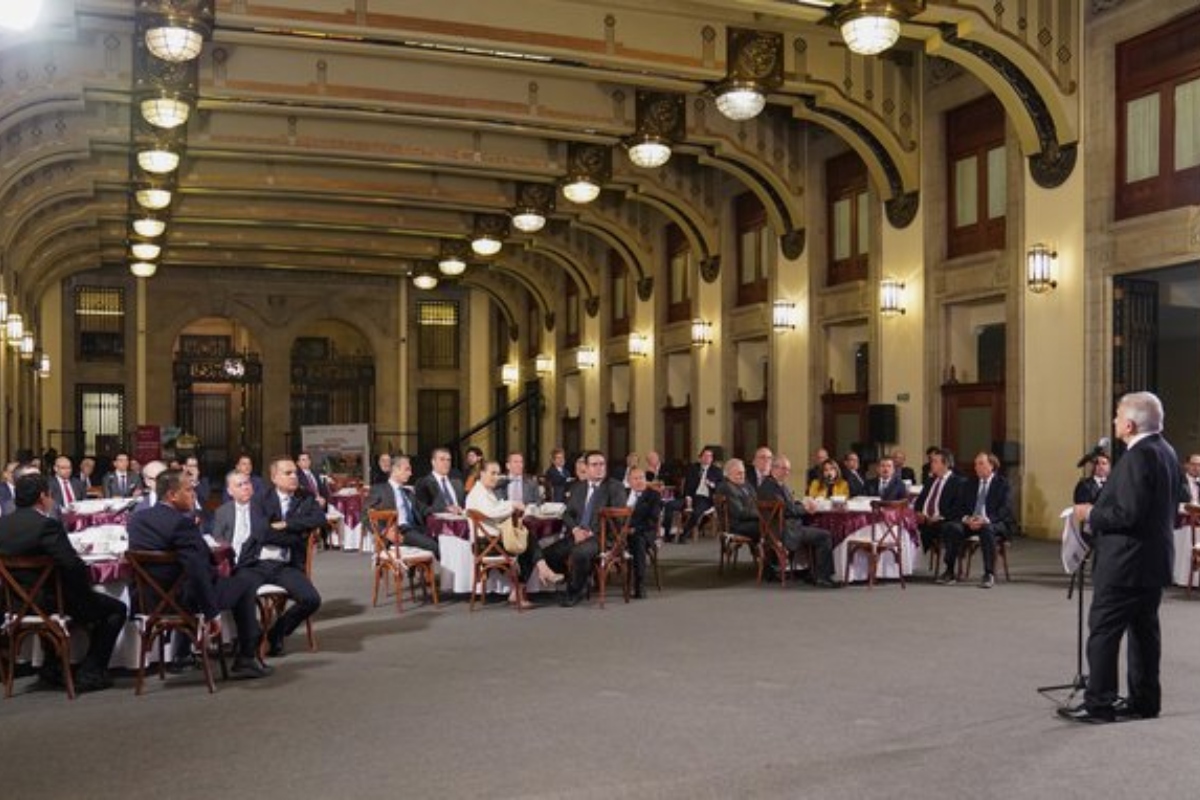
(514, 538)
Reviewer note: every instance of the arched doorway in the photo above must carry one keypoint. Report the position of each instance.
(332, 377)
(218, 391)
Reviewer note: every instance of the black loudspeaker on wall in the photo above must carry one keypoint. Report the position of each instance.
(881, 423)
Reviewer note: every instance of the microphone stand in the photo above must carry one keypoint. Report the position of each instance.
(1079, 682)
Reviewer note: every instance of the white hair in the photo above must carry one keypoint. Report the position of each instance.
(1144, 410)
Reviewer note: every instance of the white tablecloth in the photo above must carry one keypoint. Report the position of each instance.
(1183, 555)
(909, 556)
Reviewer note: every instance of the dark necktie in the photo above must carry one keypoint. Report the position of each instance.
(447, 492)
(589, 507)
(981, 499)
(931, 502)
(121, 485)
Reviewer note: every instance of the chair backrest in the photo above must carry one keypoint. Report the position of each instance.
(310, 549)
(158, 601)
(721, 505)
(1191, 514)
(770, 523)
(381, 522)
(887, 521)
(614, 529)
(482, 543)
(24, 598)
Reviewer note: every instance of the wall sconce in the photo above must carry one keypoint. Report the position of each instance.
(639, 345)
(15, 327)
(784, 315)
(3, 309)
(1039, 274)
(755, 60)
(534, 202)
(871, 26)
(488, 238)
(43, 366)
(702, 333)
(891, 297)
(586, 358)
(509, 375)
(589, 166)
(543, 364)
(143, 269)
(660, 121)
(28, 346)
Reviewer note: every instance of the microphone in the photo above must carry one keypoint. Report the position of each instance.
(1100, 448)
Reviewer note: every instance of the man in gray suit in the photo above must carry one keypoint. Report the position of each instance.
(120, 482)
(516, 485)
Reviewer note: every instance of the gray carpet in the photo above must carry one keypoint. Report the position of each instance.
(715, 688)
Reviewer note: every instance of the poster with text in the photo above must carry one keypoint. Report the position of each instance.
(339, 451)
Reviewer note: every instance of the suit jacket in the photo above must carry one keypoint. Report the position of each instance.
(646, 510)
(692, 482)
(1184, 493)
(224, 522)
(1086, 491)
(907, 474)
(609, 494)
(771, 489)
(303, 515)
(855, 482)
(743, 507)
(528, 492)
(26, 532)
(430, 496)
(1133, 520)
(164, 529)
(949, 505)
(895, 490)
(132, 482)
(7, 505)
(312, 483)
(383, 498)
(997, 504)
(558, 480)
(77, 489)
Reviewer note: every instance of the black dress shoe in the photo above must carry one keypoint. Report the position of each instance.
(639, 593)
(571, 599)
(1088, 716)
(249, 668)
(828, 583)
(92, 681)
(1123, 709)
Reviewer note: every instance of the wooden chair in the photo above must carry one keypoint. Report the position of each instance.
(1192, 517)
(652, 552)
(886, 536)
(28, 611)
(614, 551)
(490, 557)
(159, 613)
(272, 599)
(971, 546)
(770, 540)
(731, 543)
(393, 559)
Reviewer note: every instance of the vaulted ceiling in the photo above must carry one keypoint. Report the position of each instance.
(364, 136)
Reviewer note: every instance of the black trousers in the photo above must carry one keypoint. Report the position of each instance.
(305, 597)
(236, 594)
(955, 533)
(797, 535)
(579, 557)
(1116, 611)
(413, 537)
(103, 617)
(639, 544)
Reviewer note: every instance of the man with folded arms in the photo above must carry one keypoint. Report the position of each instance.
(276, 551)
(795, 533)
(31, 531)
(394, 494)
(169, 526)
(581, 521)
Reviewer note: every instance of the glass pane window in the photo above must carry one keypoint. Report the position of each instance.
(437, 334)
(864, 219)
(766, 253)
(1187, 125)
(1141, 147)
(966, 191)
(748, 244)
(680, 267)
(100, 323)
(997, 182)
(841, 229)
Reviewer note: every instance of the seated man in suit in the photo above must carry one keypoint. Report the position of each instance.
(245, 465)
(231, 520)
(30, 531)
(1189, 487)
(795, 533)
(438, 492)
(149, 477)
(741, 500)
(698, 487)
(886, 485)
(819, 457)
(830, 483)
(558, 476)
(850, 473)
(985, 510)
(516, 485)
(64, 487)
(643, 525)
(170, 527)
(8, 488)
(905, 473)
(581, 522)
(276, 550)
(120, 481)
(1088, 489)
(87, 473)
(937, 503)
(761, 468)
(653, 467)
(395, 494)
(485, 498)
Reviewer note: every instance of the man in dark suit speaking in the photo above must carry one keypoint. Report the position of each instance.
(1132, 525)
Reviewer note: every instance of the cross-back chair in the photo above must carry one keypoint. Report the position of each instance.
(392, 560)
(34, 607)
(885, 536)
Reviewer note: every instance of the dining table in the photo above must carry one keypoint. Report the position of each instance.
(457, 561)
(855, 521)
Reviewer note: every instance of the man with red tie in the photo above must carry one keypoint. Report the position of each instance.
(64, 487)
(938, 503)
(309, 481)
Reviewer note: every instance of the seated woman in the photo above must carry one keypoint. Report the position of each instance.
(483, 498)
(830, 482)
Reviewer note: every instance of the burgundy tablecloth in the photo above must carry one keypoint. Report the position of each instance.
(841, 524)
(437, 526)
(541, 527)
(117, 568)
(77, 522)
(350, 506)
